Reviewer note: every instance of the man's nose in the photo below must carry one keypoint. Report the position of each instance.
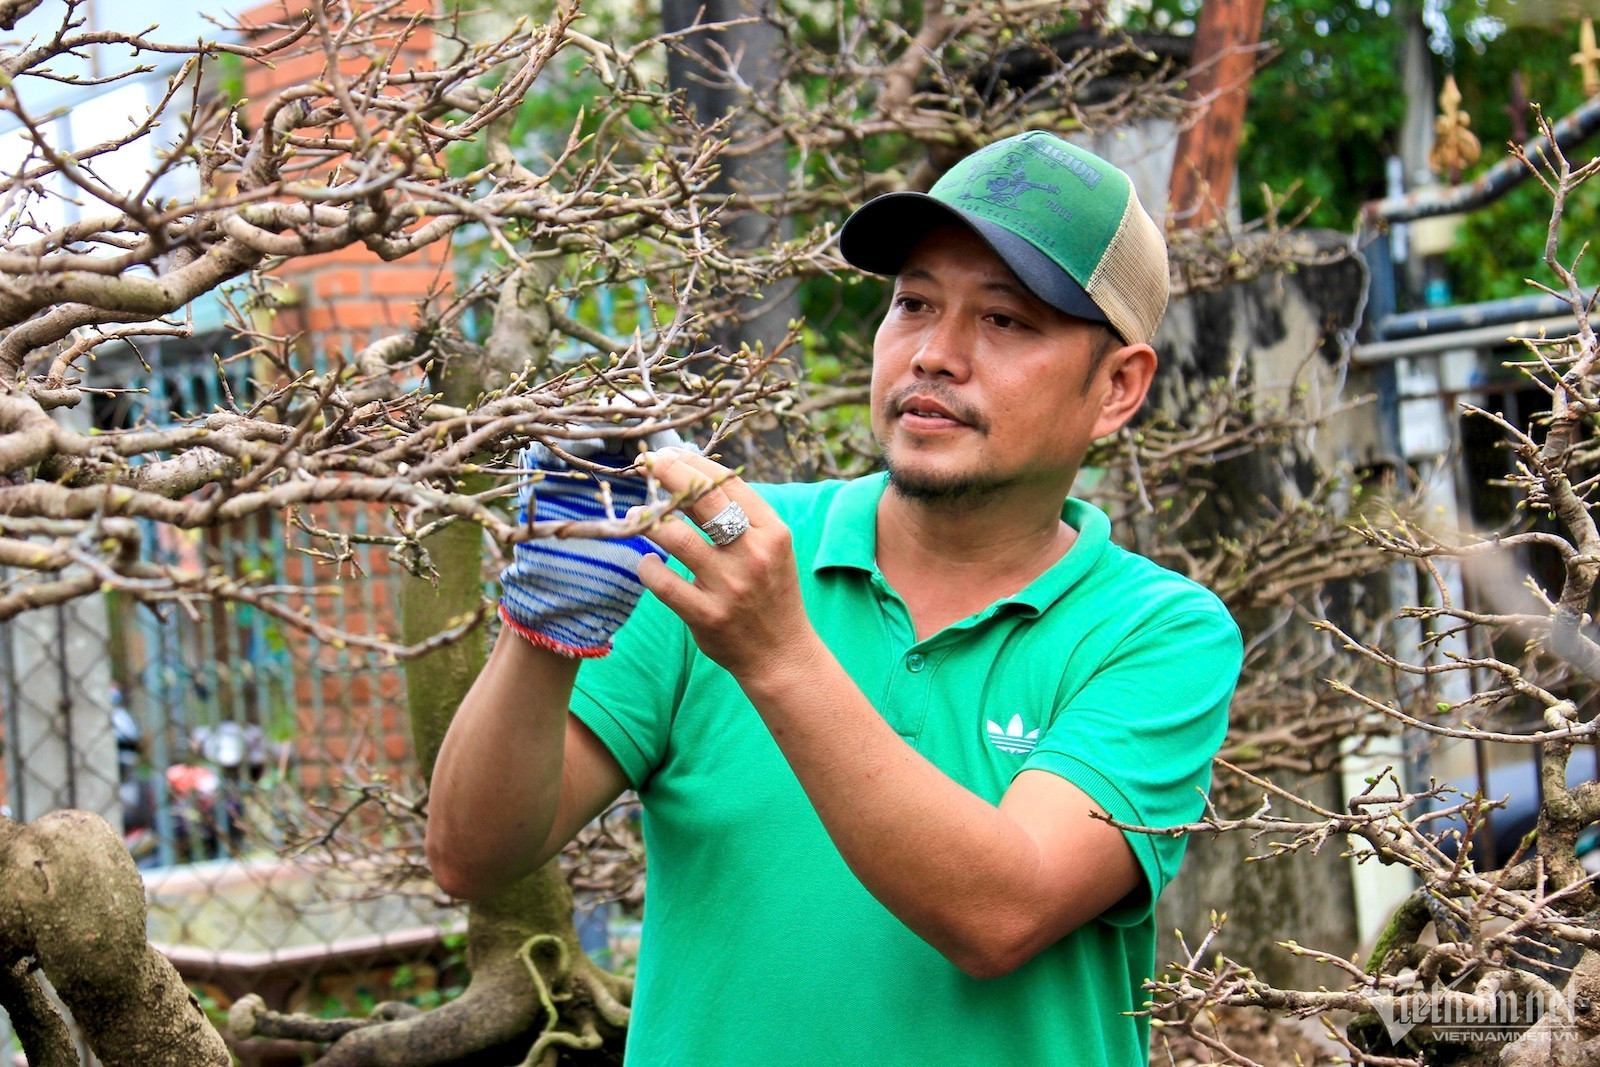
(946, 350)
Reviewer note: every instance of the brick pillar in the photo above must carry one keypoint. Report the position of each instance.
(340, 302)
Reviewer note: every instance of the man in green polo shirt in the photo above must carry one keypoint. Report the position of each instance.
(874, 726)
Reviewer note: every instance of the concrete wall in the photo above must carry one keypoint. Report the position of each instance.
(1290, 330)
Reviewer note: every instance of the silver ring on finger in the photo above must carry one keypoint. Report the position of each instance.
(727, 525)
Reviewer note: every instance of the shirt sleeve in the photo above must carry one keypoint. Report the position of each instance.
(629, 698)
(1138, 738)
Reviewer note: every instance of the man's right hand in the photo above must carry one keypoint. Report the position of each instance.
(570, 594)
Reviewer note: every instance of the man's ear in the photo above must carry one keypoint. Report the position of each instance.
(1125, 376)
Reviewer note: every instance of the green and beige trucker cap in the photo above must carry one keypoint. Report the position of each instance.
(1064, 220)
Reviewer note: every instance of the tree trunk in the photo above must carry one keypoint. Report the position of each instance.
(1225, 55)
(533, 991)
(73, 911)
(530, 923)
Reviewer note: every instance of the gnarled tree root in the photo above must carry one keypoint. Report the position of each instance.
(532, 986)
(73, 901)
(250, 1017)
(496, 1008)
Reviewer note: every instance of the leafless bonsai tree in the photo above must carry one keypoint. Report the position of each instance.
(1479, 966)
(419, 427)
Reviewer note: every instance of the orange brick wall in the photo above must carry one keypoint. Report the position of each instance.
(350, 297)
(347, 719)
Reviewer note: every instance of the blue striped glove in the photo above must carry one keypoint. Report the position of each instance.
(570, 594)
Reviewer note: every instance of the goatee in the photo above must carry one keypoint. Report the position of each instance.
(960, 491)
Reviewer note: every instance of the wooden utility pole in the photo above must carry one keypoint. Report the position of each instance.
(1224, 59)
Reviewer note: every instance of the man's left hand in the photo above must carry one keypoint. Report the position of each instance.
(743, 607)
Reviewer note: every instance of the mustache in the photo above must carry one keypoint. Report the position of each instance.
(943, 394)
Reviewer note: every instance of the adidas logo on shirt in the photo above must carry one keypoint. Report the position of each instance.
(1012, 739)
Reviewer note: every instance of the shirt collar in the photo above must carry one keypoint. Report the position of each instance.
(1094, 537)
(850, 531)
(850, 539)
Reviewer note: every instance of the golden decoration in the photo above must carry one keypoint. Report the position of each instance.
(1455, 146)
(1587, 58)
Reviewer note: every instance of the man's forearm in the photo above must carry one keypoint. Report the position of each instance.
(496, 785)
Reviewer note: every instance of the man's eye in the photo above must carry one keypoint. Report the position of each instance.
(1005, 322)
(909, 303)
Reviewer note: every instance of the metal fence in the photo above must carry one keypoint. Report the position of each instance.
(202, 733)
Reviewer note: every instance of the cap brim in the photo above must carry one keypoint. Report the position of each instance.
(879, 236)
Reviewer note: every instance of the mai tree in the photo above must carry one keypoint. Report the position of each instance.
(1482, 964)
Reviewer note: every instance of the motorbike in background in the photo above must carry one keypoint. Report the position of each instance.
(206, 795)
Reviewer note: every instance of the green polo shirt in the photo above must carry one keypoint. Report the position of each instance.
(760, 947)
